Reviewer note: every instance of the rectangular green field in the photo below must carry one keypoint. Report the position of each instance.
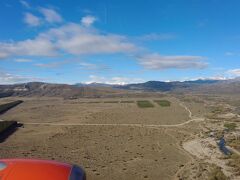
(127, 101)
(94, 102)
(163, 103)
(145, 104)
(111, 101)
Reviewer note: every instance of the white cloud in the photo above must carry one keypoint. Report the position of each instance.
(88, 20)
(70, 38)
(113, 80)
(31, 19)
(218, 77)
(158, 62)
(24, 3)
(3, 54)
(51, 15)
(7, 78)
(75, 39)
(234, 72)
(20, 60)
(78, 39)
(29, 47)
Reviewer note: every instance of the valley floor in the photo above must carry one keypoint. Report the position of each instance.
(111, 140)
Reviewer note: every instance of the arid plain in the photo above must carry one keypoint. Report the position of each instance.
(113, 138)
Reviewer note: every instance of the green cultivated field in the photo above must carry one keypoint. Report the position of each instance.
(145, 104)
(127, 101)
(111, 101)
(163, 103)
(94, 102)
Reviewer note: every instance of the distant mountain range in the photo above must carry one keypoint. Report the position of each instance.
(100, 89)
(195, 86)
(231, 86)
(166, 86)
(94, 85)
(52, 90)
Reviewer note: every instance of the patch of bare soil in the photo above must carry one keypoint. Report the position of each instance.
(207, 150)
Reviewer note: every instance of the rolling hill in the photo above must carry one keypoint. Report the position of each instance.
(52, 90)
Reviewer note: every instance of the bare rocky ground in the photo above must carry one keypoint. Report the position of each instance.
(204, 147)
(113, 152)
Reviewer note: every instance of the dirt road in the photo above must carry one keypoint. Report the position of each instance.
(127, 125)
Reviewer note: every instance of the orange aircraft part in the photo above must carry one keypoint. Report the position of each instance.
(22, 169)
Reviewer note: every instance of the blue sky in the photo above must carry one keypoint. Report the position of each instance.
(118, 41)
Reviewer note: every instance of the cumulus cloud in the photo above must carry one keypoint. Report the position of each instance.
(216, 77)
(29, 47)
(158, 62)
(70, 38)
(31, 19)
(3, 54)
(88, 20)
(79, 39)
(75, 39)
(51, 15)
(113, 80)
(7, 78)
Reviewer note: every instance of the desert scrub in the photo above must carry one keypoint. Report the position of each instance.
(217, 174)
(230, 126)
(217, 109)
(235, 143)
(163, 103)
(234, 162)
(145, 104)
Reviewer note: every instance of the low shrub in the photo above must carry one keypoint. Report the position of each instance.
(217, 174)
(230, 126)
(235, 162)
